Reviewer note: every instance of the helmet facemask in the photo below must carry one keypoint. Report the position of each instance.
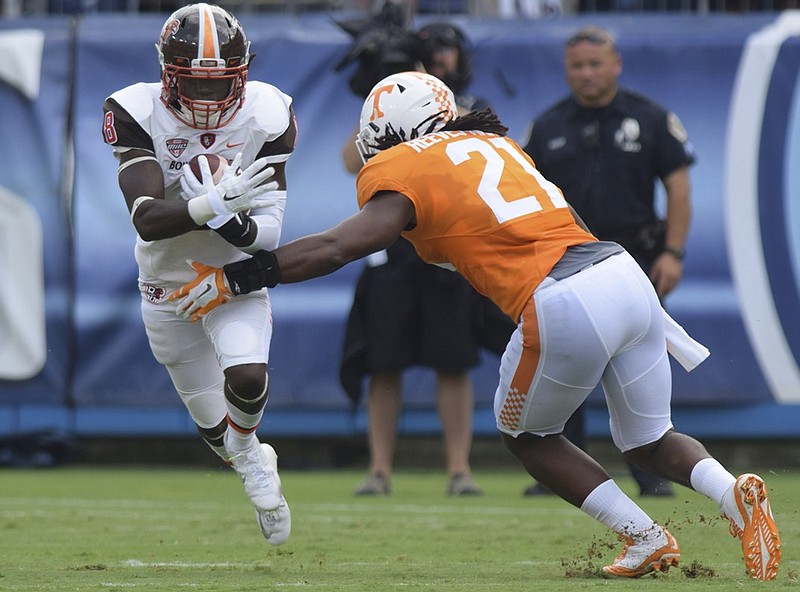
(204, 96)
(204, 58)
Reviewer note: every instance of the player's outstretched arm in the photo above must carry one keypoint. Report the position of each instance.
(372, 229)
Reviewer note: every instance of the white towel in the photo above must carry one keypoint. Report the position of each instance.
(681, 345)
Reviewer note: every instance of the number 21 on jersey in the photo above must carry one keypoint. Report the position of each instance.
(500, 153)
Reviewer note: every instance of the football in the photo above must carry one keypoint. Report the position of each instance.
(216, 163)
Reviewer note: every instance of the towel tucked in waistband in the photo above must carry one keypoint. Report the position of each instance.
(688, 352)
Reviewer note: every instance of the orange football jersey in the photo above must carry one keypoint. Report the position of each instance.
(481, 206)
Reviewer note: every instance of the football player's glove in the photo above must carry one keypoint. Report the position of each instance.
(192, 187)
(238, 190)
(203, 294)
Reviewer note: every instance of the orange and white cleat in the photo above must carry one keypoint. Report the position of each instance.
(645, 552)
(752, 523)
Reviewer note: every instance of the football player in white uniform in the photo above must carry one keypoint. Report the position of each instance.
(218, 364)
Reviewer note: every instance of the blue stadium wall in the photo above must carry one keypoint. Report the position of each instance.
(732, 80)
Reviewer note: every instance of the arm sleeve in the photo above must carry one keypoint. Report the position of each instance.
(269, 222)
(261, 228)
(258, 230)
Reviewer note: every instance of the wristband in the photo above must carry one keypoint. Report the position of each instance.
(200, 209)
(675, 252)
(237, 230)
(260, 271)
(219, 221)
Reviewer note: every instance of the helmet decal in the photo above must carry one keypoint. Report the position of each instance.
(375, 95)
(169, 28)
(444, 96)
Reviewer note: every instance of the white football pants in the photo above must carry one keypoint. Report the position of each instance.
(195, 354)
(601, 325)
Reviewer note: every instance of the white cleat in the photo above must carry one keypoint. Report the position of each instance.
(258, 468)
(645, 552)
(276, 525)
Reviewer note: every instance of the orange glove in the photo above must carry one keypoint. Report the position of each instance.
(203, 294)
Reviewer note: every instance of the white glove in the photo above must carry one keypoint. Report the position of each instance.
(192, 187)
(236, 191)
(203, 294)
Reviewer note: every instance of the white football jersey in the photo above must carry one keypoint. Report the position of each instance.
(136, 118)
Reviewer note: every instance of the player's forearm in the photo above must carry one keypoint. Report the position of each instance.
(157, 219)
(312, 256)
(303, 259)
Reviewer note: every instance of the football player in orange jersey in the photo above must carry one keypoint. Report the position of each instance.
(468, 197)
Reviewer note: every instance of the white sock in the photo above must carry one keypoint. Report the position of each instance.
(711, 479)
(236, 441)
(610, 506)
(714, 481)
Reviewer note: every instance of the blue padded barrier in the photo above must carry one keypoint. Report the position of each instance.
(100, 376)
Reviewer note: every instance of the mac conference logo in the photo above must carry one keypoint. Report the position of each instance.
(762, 200)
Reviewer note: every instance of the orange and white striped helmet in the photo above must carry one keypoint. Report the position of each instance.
(204, 56)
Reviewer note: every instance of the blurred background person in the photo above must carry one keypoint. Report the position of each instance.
(606, 147)
(405, 312)
(447, 54)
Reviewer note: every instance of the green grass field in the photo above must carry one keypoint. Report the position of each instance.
(79, 529)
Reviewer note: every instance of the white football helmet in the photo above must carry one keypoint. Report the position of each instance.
(402, 107)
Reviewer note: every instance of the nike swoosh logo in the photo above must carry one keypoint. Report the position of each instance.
(204, 292)
(229, 145)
